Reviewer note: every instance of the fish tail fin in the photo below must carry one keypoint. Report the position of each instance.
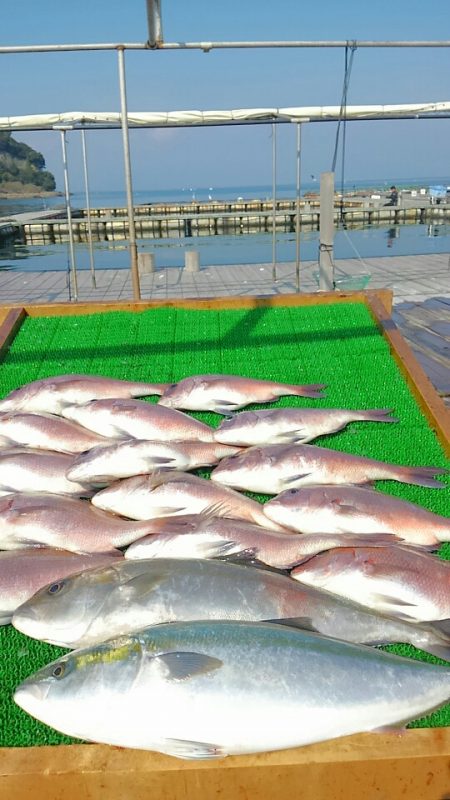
(378, 415)
(308, 390)
(421, 476)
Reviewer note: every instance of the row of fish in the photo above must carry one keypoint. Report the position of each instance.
(170, 671)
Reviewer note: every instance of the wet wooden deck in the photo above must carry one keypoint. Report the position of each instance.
(426, 328)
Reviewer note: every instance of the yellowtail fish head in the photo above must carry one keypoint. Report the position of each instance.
(63, 611)
(62, 693)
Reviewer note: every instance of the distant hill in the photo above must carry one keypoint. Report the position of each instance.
(22, 169)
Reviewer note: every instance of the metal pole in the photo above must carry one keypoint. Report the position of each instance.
(326, 265)
(88, 208)
(73, 269)
(155, 34)
(207, 46)
(297, 216)
(126, 154)
(274, 201)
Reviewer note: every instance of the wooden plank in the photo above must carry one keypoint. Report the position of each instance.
(422, 389)
(317, 298)
(396, 765)
(9, 327)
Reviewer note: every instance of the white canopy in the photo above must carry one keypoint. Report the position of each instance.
(161, 119)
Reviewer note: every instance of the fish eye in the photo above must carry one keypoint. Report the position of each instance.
(55, 587)
(59, 670)
(293, 491)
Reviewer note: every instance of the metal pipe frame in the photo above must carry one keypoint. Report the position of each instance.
(88, 207)
(73, 268)
(207, 46)
(134, 268)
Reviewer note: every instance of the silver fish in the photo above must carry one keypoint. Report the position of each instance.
(129, 595)
(125, 419)
(398, 581)
(27, 470)
(23, 572)
(52, 394)
(284, 425)
(199, 536)
(225, 393)
(355, 509)
(47, 432)
(102, 465)
(37, 520)
(210, 689)
(277, 467)
(173, 493)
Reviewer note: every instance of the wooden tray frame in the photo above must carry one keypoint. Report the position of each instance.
(385, 766)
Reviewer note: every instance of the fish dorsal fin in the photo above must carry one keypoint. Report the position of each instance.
(181, 666)
(304, 623)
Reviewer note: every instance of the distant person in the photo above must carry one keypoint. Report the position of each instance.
(393, 197)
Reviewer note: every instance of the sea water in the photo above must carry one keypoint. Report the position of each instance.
(364, 242)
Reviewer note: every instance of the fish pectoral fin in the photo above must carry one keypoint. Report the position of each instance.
(443, 626)
(139, 587)
(180, 666)
(294, 436)
(226, 550)
(343, 508)
(293, 478)
(183, 748)
(304, 623)
(224, 407)
(396, 605)
(166, 511)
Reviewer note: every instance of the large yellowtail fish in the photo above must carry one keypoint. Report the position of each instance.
(277, 467)
(225, 393)
(284, 425)
(356, 509)
(52, 394)
(210, 689)
(128, 595)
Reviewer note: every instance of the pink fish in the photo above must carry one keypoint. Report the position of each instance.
(46, 432)
(175, 493)
(46, 520)
(283, 425)
(397, 581)
(356, 509)
(52, 394)
(225, 393)
(277, 467)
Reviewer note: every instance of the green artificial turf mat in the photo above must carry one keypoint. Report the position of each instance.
(334, 344)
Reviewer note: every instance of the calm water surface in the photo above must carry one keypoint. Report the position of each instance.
(216, 250)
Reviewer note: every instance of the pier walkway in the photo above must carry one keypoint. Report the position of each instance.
(421, 287)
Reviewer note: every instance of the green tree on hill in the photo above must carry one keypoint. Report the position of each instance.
(21, 165)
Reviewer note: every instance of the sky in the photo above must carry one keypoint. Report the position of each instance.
(226, 79)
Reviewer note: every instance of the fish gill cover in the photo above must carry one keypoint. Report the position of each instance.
(336, 344)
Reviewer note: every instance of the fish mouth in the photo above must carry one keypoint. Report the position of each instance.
(29, 696)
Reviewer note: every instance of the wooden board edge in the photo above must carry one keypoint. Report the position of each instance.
(9, 327)
(209, 303)
(367, 765)
(419, 384)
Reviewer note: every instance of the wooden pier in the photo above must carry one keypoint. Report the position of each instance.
(213, 219)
